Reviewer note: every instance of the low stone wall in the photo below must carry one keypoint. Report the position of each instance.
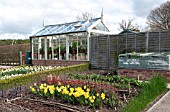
(144, 74)
(57, 62)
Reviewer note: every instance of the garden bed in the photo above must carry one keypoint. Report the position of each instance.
(39, 105)
(108, 92)
(98, 81)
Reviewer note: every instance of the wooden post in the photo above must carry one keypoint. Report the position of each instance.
(108, 52)
(45, 48)
(88, 46)
(67, 48)
(147, 41)
(159, 43)
(32, 47)
(20, 55)
(39, 46)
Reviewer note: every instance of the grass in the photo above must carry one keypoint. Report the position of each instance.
(156, 86)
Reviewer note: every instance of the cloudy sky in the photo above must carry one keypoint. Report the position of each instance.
(20, 19)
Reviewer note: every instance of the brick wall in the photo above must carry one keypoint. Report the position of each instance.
(57, 62)
(144, 74)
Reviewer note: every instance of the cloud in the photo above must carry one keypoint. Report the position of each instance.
(25, 17)
(142, 8)
(13, 36)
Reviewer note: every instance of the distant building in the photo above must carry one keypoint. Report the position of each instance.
(127, 31)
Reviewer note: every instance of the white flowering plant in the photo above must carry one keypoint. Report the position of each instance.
(18, 71)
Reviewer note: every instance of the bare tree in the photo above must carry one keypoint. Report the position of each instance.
(85, 16)
(159, 18)
(128, 25)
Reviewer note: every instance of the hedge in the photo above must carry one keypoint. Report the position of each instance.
(38, 76)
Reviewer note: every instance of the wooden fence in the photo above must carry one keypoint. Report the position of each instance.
(9, 55)
(104, 50)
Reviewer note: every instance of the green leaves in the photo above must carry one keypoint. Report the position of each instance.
(149, 91)
(121, 81)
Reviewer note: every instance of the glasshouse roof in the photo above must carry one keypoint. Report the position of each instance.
(73, 27)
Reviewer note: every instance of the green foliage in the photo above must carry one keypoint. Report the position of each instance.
(30, 78)
(156, 86)
(82, 49)
(4, 42)
(111, 79)
(63, 49)
(56, 49)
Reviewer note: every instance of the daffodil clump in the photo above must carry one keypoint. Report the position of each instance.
(18, 71)
(75, 95)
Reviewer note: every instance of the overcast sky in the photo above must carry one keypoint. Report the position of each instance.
(20, 19)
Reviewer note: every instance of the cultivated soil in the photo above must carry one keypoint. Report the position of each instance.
(30, 102)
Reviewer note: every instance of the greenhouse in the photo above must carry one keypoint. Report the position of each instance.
(69, 41)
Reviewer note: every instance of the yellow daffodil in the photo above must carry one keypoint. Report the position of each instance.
(65, 91)
(35, 84)
(92, 101)
(86, 95)
(82, 92)
(59, 83)
(70, 93)
(41, 87)
(90, 98)
(52, 87)
(62, 87)
(32, 89)
(97, 94)
(85, 87)
(68, 86)
(71, 89)
(51, 91)
(58, 89)
(88, 90)
(103, 96)
(78, 89)
(93, 97)
(44, 84)
(45, 90)
(76, 94)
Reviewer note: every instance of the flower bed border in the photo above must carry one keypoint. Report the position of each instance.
(31, 78)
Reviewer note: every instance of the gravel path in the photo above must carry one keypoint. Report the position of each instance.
(163, 105)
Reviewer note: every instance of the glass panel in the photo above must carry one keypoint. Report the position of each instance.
(73, 42)
(101, 27)
(68, 27)
(83, 47)
(56, 47)
(49, 48)
(35, 48)
(62, 48)
(41, 48)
